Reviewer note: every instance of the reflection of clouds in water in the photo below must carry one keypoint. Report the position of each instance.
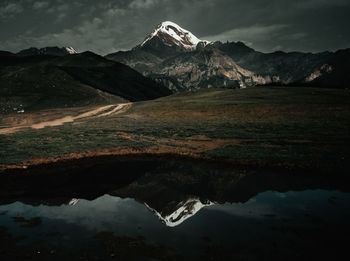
(285, 205)
(281, 195)
(99, 214)
(249, 209)
(250, 201)
(265, 203)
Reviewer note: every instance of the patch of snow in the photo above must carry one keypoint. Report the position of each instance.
(70, 50)
(73, 201)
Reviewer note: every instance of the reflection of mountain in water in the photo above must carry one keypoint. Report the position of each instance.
(73, 201)
(173, 190)
(184, 211)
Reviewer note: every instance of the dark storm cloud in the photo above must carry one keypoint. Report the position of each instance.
(106, 26)
(10, 9)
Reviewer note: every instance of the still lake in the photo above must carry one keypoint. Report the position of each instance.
(158, 217)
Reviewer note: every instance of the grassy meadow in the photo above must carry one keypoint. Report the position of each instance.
(266, 126)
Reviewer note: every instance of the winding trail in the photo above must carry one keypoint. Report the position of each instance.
(97, 112)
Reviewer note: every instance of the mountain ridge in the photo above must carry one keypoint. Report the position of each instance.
(50, 50)
(169, 63)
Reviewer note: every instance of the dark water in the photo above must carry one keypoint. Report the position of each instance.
(207, 214)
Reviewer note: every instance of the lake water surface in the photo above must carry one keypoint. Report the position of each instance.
(151, 218)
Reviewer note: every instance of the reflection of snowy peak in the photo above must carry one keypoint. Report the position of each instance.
(184, 211)
(73, 201)
(172, 34)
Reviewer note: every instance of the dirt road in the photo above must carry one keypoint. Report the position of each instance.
(95, 113)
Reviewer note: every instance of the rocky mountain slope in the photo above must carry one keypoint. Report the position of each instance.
(200, 69)
(334, 72)
(175, 57)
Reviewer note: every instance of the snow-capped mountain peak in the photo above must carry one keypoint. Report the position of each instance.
(70, 50)
(172, 34)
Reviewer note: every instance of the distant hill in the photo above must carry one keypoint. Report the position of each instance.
(56, 51)
(5, 54)
(43, 81)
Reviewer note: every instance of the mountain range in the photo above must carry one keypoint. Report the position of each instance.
(168, 60)
(176, 58)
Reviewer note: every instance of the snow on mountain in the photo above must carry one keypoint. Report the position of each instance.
(184, 211)
(70, 50)
(52, 50)
(172, 34)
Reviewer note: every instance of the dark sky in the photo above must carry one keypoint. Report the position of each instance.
(105, 26)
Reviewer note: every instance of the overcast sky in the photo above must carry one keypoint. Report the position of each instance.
(106, 26)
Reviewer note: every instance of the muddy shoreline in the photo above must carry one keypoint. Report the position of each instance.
(74, 160)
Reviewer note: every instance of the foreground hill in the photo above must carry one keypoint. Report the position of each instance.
(42, 81)
(170, 55)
